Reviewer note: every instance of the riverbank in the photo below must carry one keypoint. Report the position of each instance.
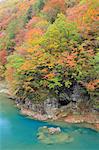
(88, 120)
(23, 133)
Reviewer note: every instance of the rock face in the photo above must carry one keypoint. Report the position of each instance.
(50, 106)
(79, 94)
(73, 100)
(33, 115)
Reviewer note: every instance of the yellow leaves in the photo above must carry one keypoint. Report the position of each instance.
(27, 65)
(34, 58)
(29, 78)
(60, 61)
(42, 24)
(33, 49)
(25, 5)
(30, 50)
(38, 54)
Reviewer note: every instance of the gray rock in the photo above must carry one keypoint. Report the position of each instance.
(51, 106)
(79, 94)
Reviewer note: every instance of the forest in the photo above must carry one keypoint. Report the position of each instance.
(49, 48)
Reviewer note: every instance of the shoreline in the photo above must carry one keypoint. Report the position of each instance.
(89, 121)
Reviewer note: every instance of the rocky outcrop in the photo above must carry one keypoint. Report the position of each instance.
(74, 100)
(71, 105)
(79, 93)
(50, 107)
(33, 115)
(69, 101)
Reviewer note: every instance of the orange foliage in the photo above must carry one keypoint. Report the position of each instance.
(3, 57)
(49, 76)
(21, 50)
(45, 70)
(67, 59)
(9, 76)
(92, 85)
(31, 50)
(33, 33)
(27, 65)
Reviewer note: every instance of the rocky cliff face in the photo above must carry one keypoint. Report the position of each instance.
(74, 100)
(51, 105)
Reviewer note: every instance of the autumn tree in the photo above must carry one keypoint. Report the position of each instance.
(52, 8)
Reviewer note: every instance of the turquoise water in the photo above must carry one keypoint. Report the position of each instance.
(20, 133)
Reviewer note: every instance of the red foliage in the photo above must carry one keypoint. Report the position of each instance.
(54, 4)
(3, 57)
(5, 21)
(19, 39)
(86, 16)
(67, 59)
(76, 12)
(2, 34)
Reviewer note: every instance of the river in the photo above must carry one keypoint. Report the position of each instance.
(18, 132)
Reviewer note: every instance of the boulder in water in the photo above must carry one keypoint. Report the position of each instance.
(53, 135)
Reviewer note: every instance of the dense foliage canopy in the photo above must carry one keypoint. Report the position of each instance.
(47, 45)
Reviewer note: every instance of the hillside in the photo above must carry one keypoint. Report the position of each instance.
(49, 54)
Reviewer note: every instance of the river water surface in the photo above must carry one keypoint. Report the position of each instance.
(20, 133)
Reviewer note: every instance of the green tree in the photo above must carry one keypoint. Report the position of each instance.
(59, 34)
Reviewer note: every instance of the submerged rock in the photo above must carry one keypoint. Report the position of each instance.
(53, 135)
